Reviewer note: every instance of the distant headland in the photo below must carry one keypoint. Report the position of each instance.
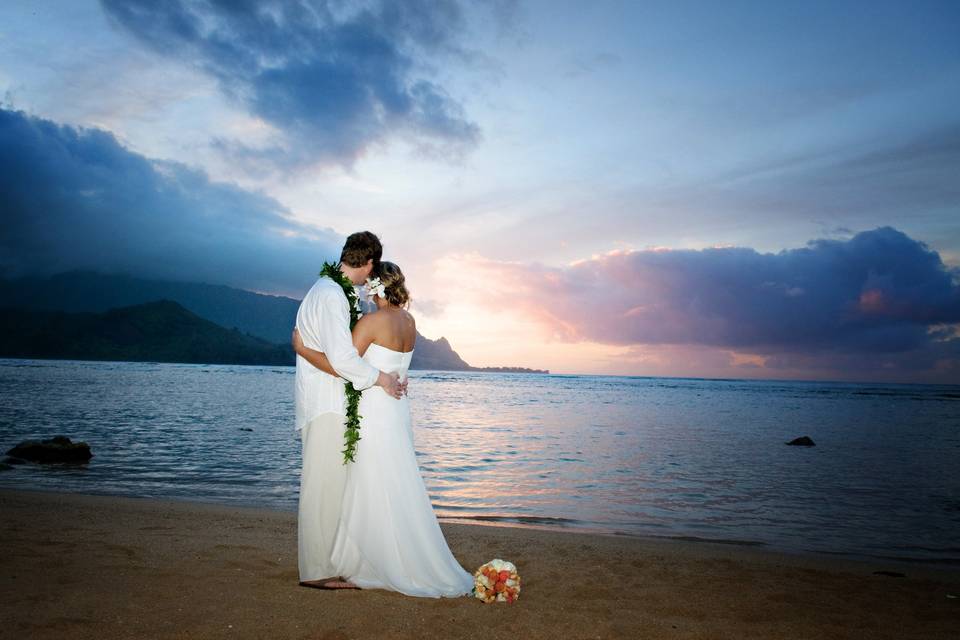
(84, 315)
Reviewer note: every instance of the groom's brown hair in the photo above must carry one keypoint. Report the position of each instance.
(360, 247)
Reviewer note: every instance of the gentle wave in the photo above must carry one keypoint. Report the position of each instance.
(685, 458)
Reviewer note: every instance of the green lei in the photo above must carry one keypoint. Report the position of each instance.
(352, 433)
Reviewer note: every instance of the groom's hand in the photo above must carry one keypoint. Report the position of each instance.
(403, 386)
(390, 382)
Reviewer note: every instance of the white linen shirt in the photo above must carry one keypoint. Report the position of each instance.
(323, 321)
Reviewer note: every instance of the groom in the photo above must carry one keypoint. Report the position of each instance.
(323, 321)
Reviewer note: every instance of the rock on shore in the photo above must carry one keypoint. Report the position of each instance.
(55, 449)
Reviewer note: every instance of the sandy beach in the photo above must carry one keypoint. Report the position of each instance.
(84, 566)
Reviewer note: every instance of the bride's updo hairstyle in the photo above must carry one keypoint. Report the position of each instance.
(394, 284)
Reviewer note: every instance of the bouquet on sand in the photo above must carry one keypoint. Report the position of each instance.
(497, 581)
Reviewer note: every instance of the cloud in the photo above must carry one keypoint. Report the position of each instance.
(74, 198)
(879, 297)
(331, 82)
(582, 64)
(906, 172)
(428, 307)
(907, 178)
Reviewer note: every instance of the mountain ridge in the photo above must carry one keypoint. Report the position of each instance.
(264, 316)
(160, 331)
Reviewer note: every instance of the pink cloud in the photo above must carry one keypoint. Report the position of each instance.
(867, 302)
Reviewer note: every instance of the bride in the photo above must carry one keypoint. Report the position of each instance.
(389, 537)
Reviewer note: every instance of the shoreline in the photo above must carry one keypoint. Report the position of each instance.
(97, 566)
(814, 556)
(950, 385)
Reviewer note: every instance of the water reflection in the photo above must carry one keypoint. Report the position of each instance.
(631, 455)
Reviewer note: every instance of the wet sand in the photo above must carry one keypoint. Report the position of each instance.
(82, 566)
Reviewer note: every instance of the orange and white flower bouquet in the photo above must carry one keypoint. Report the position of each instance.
(497, 581)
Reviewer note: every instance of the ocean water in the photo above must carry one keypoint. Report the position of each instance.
(674, 457)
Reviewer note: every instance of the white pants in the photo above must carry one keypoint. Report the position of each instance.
(322, 482)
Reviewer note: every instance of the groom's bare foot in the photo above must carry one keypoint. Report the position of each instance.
(329, 583)
(340, 584)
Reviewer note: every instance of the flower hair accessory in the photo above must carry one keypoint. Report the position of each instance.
(375, 288)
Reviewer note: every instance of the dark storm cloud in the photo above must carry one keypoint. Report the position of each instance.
(75, 198)
(879, 293)
(332, 83)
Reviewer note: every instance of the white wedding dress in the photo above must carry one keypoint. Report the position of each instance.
(388, 536)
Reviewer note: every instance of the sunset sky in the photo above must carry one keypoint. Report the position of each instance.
(738, 189)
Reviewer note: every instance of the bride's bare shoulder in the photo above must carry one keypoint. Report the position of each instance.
(392, 319)
(406, 319)
(369, 320)
(410, 328)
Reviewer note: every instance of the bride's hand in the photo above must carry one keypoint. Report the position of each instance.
(295, 340)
